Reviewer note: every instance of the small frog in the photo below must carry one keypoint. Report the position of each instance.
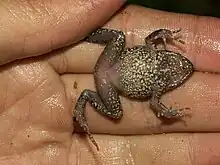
(141, 72)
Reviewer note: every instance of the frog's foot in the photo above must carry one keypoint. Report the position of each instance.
(162, 36)
(163, 111)
(80, 118)
(172, 113)
(176, 36)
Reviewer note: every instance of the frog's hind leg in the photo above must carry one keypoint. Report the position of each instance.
(115, 44)
(95, 101)
(106, 101)
(78, 113)
(104, 35)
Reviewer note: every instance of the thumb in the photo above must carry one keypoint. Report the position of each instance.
(30, 28)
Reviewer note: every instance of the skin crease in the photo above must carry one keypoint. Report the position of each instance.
(38, 95)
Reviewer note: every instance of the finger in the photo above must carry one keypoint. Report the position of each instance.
(169, 149)
(201, 35)
(31, 28)
(200, 94)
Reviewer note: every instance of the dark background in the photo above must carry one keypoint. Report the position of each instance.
(198, 7)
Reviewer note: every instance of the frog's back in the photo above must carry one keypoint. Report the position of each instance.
(137, 71)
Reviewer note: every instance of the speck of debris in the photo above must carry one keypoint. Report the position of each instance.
(75, 85)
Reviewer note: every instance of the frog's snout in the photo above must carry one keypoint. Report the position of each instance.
(187, 66)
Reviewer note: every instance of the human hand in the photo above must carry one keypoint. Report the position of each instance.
(38, 95)
(36, 107)
(199, 93)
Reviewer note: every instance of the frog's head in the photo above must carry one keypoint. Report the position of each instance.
(180, 68)
(186, 66)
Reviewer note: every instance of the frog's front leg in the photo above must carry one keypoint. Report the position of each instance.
(163, 111)
(161, 36)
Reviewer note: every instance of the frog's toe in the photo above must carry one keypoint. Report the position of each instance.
(176, 36)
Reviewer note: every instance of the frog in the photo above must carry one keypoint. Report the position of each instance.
(142, 72)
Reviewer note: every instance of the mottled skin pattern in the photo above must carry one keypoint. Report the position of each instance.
(141, 72)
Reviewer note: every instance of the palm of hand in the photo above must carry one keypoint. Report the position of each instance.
(35, 114)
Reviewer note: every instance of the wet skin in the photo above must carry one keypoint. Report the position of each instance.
(141, 72)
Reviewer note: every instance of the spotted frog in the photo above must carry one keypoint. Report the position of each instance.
(141, 72)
